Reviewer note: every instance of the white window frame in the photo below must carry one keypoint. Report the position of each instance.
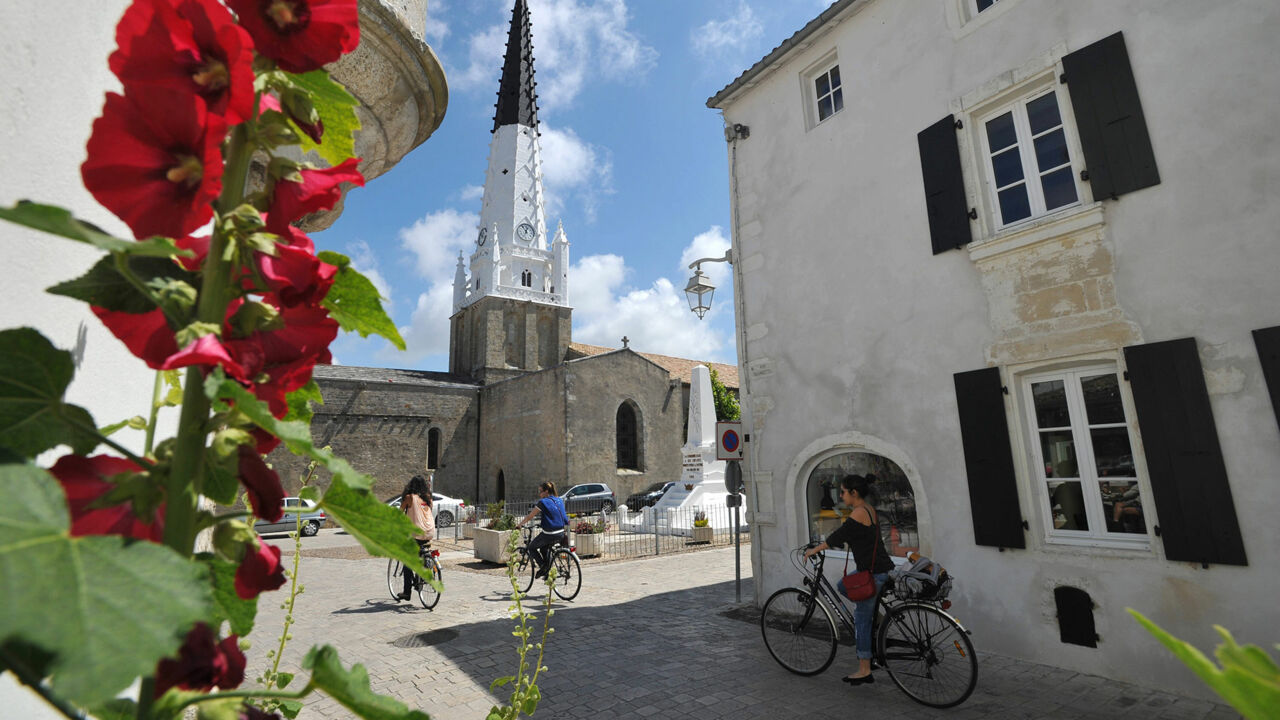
(1026, 149)
(809, 92)
(1087, 473)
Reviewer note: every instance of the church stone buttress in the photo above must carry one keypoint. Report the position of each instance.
(510, 312)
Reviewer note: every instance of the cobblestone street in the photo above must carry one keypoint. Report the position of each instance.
(651, 638)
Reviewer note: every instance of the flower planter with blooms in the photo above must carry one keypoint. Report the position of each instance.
(702, 531)
(588, 537)
(216, 282)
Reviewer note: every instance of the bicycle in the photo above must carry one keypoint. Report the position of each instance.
(926, 651)
(564, 563)
(428, 595)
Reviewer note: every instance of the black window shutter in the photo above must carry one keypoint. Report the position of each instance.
(1188, 476)
(988, 459)
(944, 186)
(1268, 342)
(1113, 130)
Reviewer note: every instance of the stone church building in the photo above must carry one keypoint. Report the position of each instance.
(521, 402)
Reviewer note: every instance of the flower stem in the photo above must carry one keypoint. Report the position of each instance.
(149, 443)
(187, 474)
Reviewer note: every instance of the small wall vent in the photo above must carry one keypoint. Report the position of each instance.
(1075, 616)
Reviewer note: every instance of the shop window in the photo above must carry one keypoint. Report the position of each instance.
(892, 498)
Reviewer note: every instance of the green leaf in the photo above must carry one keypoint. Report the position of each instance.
(229, 606)
(531, 698)
(106, 287)
(33, 376)
(222, 479)
(501, 682)
(337, 110)
(295, 435)
(1248, 679)
(290, 708)
(283, 680)
(300, 402)
(117, 606)
(117, 709)
(355, 303)
(383, 530)
(351, 688)
(58, 221)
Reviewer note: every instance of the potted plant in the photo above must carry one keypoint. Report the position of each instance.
(588, 536)
(491, 540)
(469, 523)
(702, 530)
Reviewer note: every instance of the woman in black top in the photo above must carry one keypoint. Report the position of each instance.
(860, 533)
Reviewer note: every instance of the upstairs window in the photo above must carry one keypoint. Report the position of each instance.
(827, 92)
(1028, 163)
(984, 4)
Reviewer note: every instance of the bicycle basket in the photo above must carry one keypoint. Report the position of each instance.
(922, 579)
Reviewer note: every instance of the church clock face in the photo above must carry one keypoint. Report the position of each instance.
(484, 234)
(525, 232)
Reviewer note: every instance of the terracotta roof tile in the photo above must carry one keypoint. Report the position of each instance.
(681, 368)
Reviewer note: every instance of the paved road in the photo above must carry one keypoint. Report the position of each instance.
(650, 638)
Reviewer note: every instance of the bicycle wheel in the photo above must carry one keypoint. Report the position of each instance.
(525, 568)
(799, 631)
(568, 575)
(395, 578)
(928, 655)
(428, 595)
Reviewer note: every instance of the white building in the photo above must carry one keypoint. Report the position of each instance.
(1019, 258)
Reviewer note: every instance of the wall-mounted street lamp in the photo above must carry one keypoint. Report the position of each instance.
(700, 290)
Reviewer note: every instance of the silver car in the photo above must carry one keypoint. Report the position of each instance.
(296, 510)
(445, 509)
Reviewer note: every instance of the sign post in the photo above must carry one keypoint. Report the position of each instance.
(733, 483)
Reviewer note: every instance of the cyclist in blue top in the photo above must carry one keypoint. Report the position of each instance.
(554, 521)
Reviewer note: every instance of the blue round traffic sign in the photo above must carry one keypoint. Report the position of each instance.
(730, 441)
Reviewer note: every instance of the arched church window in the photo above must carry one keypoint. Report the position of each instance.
(892, 498)
(628, 438)
(433, 448)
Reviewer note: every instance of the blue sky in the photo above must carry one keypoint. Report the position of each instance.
(634, 165)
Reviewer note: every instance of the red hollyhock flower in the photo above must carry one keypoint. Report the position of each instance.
(259, 571)
(84, 480)
(147, 335)
(154, 160)
(265, 494)
(202, 664)
(319, 190)
(300, 35)
(294, 275)
(192, 46)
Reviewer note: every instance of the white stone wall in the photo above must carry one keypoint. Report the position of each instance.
(850, 329)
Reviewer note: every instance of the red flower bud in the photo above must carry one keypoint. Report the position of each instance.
(263, 484)
(259, 571)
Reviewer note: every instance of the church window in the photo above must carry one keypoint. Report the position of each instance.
(628, 438)
(433, 448)
(892, 499)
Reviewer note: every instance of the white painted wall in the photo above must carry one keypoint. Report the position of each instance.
(850, 330)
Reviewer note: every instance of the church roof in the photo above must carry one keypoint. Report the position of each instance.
(517, 100)
(681, 368)
(425, 378)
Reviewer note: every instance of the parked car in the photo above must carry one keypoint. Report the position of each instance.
(295, 510)
(446, 510)
(649, 496)
(590, 497)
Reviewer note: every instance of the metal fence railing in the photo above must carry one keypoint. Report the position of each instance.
(627, 534)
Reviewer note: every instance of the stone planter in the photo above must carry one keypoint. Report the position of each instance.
(703, 534)
(469, 530)
(491, 545)
(591, 544)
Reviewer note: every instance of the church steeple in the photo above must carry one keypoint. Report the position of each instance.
(517, 99)
(511, 315)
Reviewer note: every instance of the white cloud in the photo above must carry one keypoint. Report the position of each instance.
(436, 30)
(573, 167)
(469, 193)
(435, 241)
(656, 318)
(572, 41)
(363, 260)
(730, 35)
(427, 333)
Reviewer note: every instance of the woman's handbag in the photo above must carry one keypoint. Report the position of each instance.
(861, 585)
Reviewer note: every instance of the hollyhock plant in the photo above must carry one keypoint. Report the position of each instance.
(187, 45)
(300, 35)
(84, 479)
(259, 571)
(154, 160)
(266, 497)
(202, 663)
